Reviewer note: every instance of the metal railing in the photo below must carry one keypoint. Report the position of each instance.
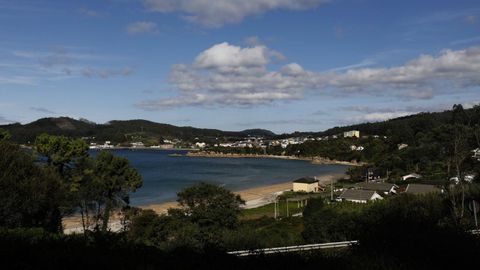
(293, 248)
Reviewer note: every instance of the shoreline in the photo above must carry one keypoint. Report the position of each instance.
(253, 197)
(313, 160)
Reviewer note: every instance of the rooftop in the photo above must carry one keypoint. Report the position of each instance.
(306, 180)
(421, 189)
(356, 194)
(376, 186)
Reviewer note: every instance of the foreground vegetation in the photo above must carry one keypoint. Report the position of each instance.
(58, 177)
(403, 232)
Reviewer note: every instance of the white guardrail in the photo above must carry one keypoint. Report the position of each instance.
(293, 248)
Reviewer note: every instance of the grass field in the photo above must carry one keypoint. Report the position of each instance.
(269, 210)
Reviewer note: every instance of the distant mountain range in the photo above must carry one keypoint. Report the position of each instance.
(136, 130)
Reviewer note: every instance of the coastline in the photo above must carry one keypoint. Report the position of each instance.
(253, 197)
(256, 196)
(313, 160)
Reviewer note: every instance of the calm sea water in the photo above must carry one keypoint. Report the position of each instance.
(165, 175)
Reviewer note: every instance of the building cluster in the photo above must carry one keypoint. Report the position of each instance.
(370, 190)
(260, 142)
(476, 154)
(106, 145)
(248, 142)
(357, 148)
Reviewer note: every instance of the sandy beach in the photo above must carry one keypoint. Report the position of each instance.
(254, 197)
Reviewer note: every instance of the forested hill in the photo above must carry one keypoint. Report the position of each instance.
(415, 122)
(120, 131)
(405, 127)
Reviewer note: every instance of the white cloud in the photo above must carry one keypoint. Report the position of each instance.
(20, 80)
(89, 12)
(106, 73)
(217, 13)
(41, 110)
(471, 19)
(230, 75)
(379, 116)
(60, 63)
(141, 27)
(225, 57)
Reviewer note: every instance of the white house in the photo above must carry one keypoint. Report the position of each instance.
(359, 196)
(351, 133)
(306, 184)
(411, 176)
(200, 145)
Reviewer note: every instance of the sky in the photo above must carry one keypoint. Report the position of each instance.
(282, 65)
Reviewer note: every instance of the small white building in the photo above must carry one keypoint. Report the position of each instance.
(476, 154)
(359, 196)
(200, 145)
(351, 133)
(402, 146)
(306, 184)
(411, 176)
(137, 145)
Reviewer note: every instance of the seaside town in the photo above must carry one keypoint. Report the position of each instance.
(247, 142)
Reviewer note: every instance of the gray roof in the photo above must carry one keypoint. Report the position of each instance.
(355, 194)
(306, 180)
(376, 186)
(421, 189)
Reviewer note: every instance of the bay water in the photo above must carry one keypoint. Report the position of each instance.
(166, 172)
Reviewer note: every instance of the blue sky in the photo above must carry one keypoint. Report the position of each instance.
(283, 65)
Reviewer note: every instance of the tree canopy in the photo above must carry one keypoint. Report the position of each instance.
(30, 195)
(114, 179)
(210, 205)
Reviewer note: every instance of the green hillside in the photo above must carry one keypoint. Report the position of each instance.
(121, 131)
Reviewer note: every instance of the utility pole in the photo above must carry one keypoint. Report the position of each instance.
(331, 189)
(275, 206)
(287, 207)
(367, 178)
(475, 211)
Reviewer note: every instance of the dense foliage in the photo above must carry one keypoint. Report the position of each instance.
(400, 232)
(59, 178)
(30, 195)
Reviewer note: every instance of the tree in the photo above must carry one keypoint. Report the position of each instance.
(114, 179)
(210, 205)
(30, 194)
(60, 151)
(4, 135)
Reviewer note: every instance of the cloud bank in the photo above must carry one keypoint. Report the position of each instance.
(229, 75)
(217, 13)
